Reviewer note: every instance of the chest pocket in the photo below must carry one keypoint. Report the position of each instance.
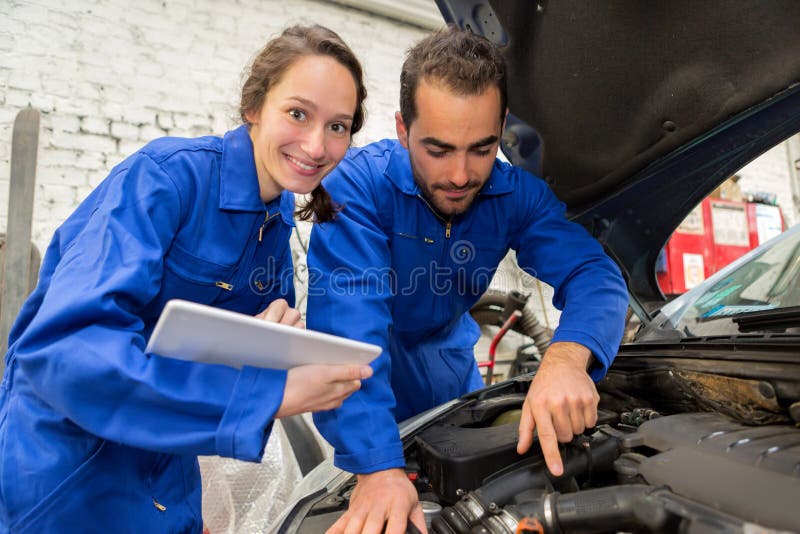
(478, 251)
(411, 251)
(189, 277)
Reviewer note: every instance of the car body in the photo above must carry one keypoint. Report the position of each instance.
(634, 112)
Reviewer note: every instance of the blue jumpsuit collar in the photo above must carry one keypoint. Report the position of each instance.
(286, 207)
(239, 189)
(398, 171)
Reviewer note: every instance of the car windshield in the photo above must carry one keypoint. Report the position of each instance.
(763, 284)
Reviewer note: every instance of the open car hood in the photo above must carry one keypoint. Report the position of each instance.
(633, 112)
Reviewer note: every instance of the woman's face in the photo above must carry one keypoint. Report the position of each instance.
(302, 130)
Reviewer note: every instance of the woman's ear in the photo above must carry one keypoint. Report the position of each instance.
(252, 116)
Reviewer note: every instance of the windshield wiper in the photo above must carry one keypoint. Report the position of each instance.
(776, 319)
(660, 329)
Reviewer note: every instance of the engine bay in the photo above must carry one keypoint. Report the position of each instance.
(638, 470)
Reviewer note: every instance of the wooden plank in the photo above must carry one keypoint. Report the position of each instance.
(16, 268)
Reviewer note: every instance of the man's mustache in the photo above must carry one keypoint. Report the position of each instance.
(467, 186)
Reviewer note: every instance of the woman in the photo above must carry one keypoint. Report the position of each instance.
(95, 435)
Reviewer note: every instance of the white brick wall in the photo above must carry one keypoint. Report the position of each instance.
(770, 173)
(110, 75)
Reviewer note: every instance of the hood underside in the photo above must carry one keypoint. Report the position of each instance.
(604, 91)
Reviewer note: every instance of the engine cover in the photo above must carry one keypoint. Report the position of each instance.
(746, 471)
(459, 452)
(464, 448)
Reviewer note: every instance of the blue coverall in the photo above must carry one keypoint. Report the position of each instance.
(390, 271)
(96, 435)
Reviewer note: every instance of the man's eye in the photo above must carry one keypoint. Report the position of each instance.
(297, 114)
(437, 154)
(482, 152)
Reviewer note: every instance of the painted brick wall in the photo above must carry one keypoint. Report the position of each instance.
(770, 173)
(110, 75)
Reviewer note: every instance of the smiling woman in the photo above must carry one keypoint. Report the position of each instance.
(303, 128)
(315, 105)
(88, 419)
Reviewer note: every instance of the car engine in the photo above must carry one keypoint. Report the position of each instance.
(638, 470)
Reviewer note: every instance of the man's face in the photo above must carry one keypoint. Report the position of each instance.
(452, 144)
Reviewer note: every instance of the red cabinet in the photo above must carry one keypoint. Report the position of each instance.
(714, 234)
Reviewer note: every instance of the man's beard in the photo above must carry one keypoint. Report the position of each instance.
(448, 209)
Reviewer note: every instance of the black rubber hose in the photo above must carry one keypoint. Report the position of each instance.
(587, 457)
(514, 301)
(531, 327)
(598, 456)
(501, 489)
(600, 510)
(490, 309)
(449, 522)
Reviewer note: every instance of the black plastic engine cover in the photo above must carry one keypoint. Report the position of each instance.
(462, 450)
(747, 471)
(456, 458)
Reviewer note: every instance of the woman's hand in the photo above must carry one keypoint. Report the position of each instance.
(279, 311)
(317, 387)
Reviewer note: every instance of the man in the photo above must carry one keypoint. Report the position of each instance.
(424, 220)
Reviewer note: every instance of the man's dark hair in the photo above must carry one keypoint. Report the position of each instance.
(465, 63)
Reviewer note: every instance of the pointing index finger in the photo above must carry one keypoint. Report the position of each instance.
(526, 427)
(549, 443)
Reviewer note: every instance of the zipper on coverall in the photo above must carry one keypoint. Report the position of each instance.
(448, 222)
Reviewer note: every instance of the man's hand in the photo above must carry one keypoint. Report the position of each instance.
(279, 311)
(561, 402)
(384, 497)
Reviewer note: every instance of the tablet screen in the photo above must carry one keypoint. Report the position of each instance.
(190, 331)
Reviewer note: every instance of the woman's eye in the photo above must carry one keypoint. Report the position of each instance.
(339, 128)
(297, 114)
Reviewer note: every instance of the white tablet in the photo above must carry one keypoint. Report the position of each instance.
(200, 333)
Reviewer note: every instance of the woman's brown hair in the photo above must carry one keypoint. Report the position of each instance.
(270, 64)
